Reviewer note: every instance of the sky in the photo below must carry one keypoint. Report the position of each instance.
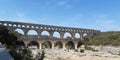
(101, 15)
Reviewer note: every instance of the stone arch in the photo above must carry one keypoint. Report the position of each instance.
(46, 44)
(85, 34)
(79, 44)
(45, 34)
(77, 35)
(14, 25)
(19, 44)
(32, 35)
(58, 45)
(67, 34)
(19, 25)
(56, 35)
(33, 44)
(9, 24)
(70, 45)
(19, 31)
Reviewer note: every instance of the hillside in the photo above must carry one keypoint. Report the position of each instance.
(104, 38)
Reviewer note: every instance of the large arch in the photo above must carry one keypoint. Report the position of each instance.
(19, 44)
(70, 45)
(85, 34)
(46, 44)
(58, 45)
(77, 36)
(33, 44)
(45, 35)
(56, 35)
(20, 34)
(66, 35)
(19, 31)
(32, 35)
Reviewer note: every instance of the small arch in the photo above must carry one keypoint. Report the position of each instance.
(58, 45)
(45, 27)
(77, 35)
(37, 27)
(67, 34)
(46, 44)
(23, 25)
(56, 35)
(19, 25)
(45, 35)
(14, 25)
(33, 44)
(79, 44)
(49, 28)
(41, 27)
(70, 45)
(28, 26)
(32, 27)
(5, 24)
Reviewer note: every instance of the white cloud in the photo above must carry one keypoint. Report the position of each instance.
(64, 4)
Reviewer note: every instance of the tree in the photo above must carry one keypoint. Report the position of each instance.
(68, 38)
(7, 37)
(3, 34)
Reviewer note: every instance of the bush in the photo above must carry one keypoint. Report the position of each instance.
(89, 48)
(82, 50)
(76, 50)
(15, 55)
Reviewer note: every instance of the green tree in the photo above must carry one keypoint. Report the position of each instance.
(68, 38)
(3, 34)
(7, 37)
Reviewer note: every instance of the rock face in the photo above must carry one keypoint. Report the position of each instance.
(109, 49)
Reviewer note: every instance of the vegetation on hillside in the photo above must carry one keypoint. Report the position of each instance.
(104, 38)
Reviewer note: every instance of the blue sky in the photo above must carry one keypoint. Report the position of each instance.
(102, 15)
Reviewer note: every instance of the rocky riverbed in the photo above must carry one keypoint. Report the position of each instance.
(104, 53)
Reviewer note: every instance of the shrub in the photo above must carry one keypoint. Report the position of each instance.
(76, 50)
(82, 50)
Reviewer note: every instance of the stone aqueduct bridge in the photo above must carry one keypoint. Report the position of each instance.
(39, 28)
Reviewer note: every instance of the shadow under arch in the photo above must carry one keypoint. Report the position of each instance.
(19, 44)
(46, 44)
(33, 44)
(79, 44)
(70, 45)
(58, 45)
